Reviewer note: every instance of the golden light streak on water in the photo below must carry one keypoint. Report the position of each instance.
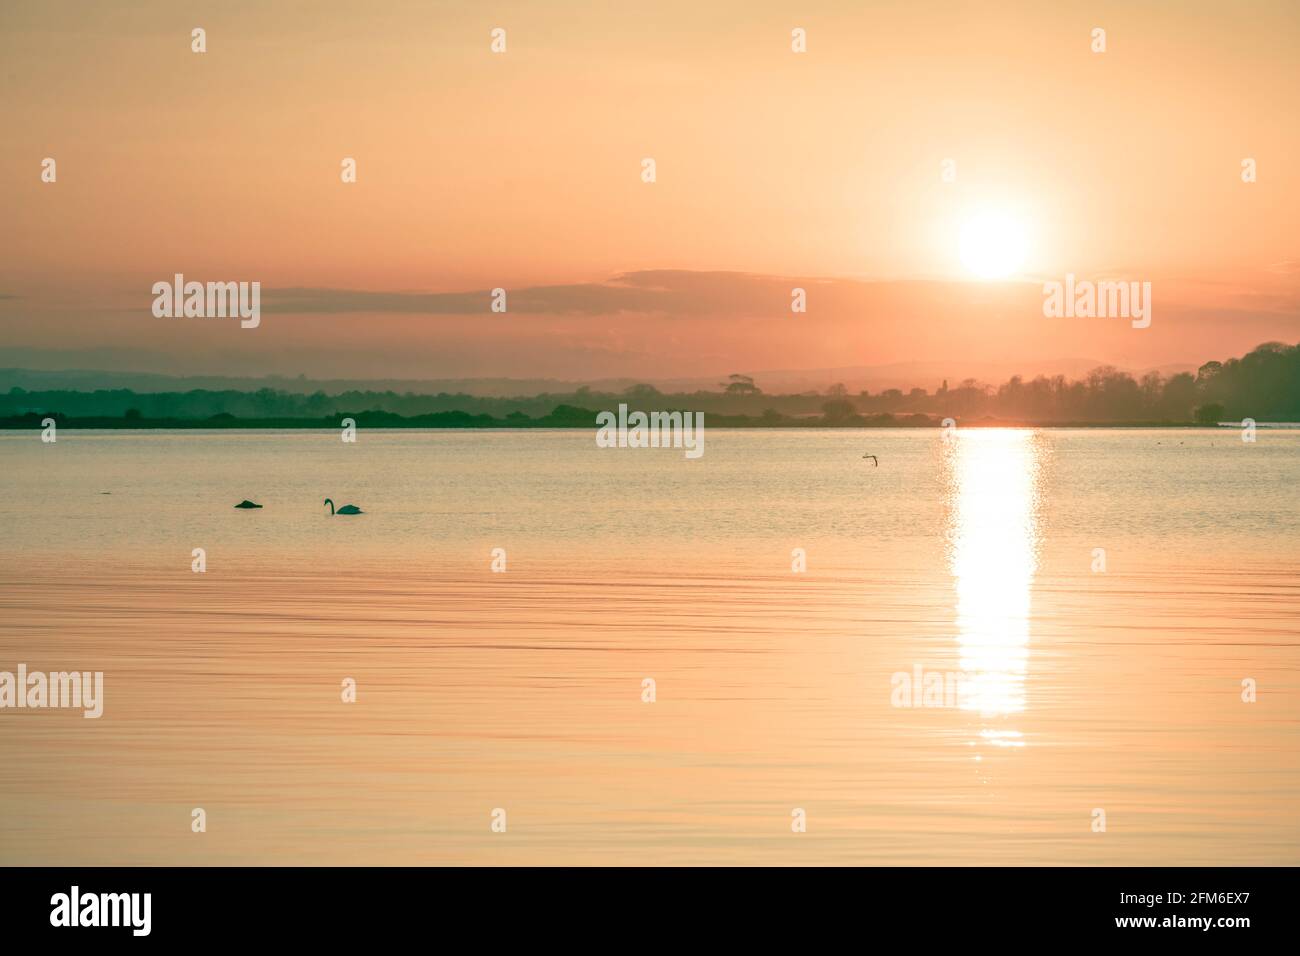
(994, 540)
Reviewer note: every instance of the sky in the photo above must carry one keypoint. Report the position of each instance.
(855, 170)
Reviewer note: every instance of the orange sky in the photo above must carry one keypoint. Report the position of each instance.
(522, 170)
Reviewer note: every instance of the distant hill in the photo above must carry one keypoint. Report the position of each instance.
(901, 375)
(147, 382)
(1263, 385)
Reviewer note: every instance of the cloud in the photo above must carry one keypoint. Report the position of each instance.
(665, 292)
(660, 324)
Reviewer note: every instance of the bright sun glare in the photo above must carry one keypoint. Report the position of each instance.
(993, 245)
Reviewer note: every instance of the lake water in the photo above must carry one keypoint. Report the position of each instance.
(776, 691)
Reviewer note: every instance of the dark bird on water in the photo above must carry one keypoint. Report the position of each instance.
(873, 460)
(345, 510)
(247, 504)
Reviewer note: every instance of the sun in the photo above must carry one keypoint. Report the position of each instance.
(993, 244)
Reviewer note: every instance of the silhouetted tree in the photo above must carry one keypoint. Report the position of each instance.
(1210, 414)
(741, 385)
(838, 410)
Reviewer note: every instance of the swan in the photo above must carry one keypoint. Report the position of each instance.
(345, 510)
(247, 504)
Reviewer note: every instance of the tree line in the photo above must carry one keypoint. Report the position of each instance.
(1263, 385)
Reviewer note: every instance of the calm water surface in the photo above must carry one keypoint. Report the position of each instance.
(1082, 690)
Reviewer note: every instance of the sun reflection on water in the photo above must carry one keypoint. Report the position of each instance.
(993, 551)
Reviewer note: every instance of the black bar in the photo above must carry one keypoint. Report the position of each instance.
(983, 907)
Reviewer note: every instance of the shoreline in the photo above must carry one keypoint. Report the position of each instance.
(718, 421)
